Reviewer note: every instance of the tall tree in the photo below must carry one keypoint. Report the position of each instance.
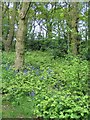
(19, 61)
(8, 42)
(0, 56)
(0, 29)
(89, 25)
(74, 26)
(5, 22)
(89, 54)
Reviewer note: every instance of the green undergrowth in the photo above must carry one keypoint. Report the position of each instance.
(20, 108)
(46, 87)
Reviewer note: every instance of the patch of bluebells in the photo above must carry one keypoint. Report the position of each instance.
(32, 67)
(49, 71)
(25, 71)
(6, 66)
(31, 94)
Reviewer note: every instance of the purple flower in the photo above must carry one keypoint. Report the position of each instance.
(7, 67)
(25, 71)
(32, 93)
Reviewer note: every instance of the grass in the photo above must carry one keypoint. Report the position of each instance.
(22, 110)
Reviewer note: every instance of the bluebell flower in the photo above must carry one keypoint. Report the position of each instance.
(25, 71)
(37, 72)
(7, 67)
(32, 67)
(49, 71)
(32, 94)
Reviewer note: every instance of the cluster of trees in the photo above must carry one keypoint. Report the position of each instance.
(27, 22)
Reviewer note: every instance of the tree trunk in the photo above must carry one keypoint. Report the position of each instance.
(89, 34)
(49, 29)
(5, 30)
(0, 31)
(0, 57)
(68, 17)
(8, 42)
(49, 24)
(74, 31)
(89, 25)
(19, 61)
(89, 56)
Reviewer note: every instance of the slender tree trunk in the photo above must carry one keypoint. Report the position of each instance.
(86, 28)
(0, 29)
(49, 29)
(48, 24)
(68, 20)
(89, 56)
(0, 57)
(59, 30)
(19, 61)
(74, 31)
(5, 12)
(26, 30)
(89, 35)
(89, 26)
(8, 42)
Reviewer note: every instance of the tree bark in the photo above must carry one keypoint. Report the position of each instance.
(8, 42)
(49, 23)
(68, 22)
(89, 23)
(74, 31)
(89, 56)
(5, 30)
(19, 61)
(0, 30)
